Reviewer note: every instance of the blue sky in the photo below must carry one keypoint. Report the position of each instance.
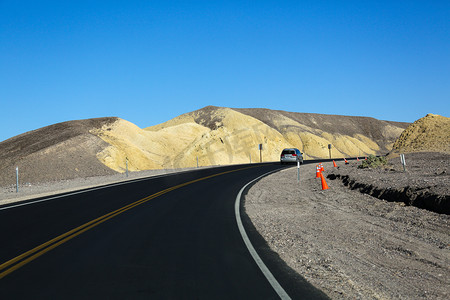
(150, 61)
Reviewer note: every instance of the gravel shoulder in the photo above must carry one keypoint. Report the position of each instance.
(348, 244)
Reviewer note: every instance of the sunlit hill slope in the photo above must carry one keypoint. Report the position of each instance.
(430, 133)
(216, 136)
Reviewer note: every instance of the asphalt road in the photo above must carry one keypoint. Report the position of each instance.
(170, 237)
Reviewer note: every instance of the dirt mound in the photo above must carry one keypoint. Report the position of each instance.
(56, 152)
(430, 133)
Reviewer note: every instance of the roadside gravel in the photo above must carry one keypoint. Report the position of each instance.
(348, 244)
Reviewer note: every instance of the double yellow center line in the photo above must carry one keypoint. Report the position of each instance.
(21, 260)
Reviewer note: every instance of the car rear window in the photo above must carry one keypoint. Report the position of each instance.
(288, 152)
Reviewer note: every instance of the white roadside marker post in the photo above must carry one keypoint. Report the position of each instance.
(403, 161)
(126, 163)
(17, 179)
(298, 170)
(197, 161)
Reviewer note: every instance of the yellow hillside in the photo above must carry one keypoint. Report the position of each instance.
(430, 133)
(144, 149)
(232, 138)
(218, 136)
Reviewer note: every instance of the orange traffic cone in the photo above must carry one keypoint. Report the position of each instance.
(321, 168)
(334, 164)
(324, 183)
(365, 158)
(318, 171)
(357, 158)
(346, 162)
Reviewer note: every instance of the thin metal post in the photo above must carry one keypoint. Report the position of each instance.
(17, 179)
(126, 163)
(402, 159)
(250, 157)
(260, 152)
(197, 161)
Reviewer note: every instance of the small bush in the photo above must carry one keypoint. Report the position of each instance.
(373, 162)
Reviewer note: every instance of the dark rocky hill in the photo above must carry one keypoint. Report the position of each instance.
(56, 152)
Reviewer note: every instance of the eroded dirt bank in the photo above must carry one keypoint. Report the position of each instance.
(352, 245)
(425, 183)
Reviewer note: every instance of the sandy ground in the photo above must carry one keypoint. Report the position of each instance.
(349, 244)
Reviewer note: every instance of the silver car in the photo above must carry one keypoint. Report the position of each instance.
(291, 155)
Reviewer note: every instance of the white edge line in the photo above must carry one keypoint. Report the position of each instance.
(273, 282)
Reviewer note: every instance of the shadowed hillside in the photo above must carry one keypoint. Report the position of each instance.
(382, 132)
(60, 151)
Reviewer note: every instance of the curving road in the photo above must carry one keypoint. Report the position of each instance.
(167, 237)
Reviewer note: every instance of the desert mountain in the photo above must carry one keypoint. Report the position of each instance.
(214, 135)
(219, 135)
(430, 133)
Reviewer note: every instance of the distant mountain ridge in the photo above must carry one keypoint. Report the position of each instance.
(348, 125)
(211, 135)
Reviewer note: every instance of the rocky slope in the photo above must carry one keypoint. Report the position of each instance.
(60, 151)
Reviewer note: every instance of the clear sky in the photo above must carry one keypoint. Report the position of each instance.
(150, 61)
